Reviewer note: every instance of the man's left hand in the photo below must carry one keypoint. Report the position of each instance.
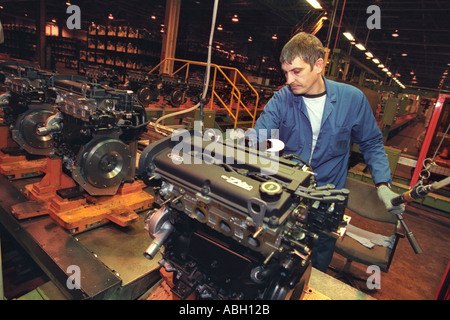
(385, 194)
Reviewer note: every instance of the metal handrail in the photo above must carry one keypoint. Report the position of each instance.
(236, 93)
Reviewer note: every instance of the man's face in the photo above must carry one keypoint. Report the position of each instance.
(301, 79)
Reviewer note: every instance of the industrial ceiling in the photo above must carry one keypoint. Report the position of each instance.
(412, 39)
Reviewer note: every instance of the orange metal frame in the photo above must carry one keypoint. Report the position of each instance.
(83, 213)
(235, 92)
(17, 166)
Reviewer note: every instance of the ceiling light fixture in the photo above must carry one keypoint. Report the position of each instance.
(220, 28)
(349, 36)
(369, 55)
(110, 16)
(360, 47)
(274, 37)
(235, 18)
(315, 4)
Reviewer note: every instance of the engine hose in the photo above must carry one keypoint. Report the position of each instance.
(208, 72)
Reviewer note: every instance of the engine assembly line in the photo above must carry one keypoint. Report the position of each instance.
(127, 173)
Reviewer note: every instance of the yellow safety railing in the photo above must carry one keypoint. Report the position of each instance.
(235, 92)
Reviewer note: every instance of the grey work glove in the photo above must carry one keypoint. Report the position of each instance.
(385, 194)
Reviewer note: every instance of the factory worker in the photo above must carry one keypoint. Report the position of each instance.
(317, 119)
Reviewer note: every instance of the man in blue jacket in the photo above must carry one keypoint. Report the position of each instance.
(317, 119)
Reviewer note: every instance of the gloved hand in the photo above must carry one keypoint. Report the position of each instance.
(385, 194)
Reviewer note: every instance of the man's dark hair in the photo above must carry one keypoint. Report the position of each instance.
(304, 45)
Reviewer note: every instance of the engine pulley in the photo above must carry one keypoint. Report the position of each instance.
(146, 95)
(102, 165)
(176, 98)
(26, 135)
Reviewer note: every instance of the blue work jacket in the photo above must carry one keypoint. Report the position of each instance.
(347, 117)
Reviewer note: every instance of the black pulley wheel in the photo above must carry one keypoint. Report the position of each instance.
(145, 95)
(105, 162)
(26, 134)
(176, 98)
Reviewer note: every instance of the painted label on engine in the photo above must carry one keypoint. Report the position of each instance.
(237, 182)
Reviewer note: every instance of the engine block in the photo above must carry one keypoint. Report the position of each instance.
(235, 223)
(25, 105)
(95, 130)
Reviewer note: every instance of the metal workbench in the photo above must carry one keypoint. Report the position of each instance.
(109, 258)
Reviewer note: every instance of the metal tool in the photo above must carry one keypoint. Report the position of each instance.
(411, 195)
(419, 192)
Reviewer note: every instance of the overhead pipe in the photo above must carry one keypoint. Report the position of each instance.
(339, 26)
(330, 30)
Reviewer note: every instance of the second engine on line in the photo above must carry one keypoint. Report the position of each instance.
(95, 130)
(25, 106)
(235, 223)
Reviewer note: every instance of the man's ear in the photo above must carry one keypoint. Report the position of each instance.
(319, 65)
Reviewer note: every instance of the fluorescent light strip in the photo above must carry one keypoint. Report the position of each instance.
(349, 36)
(315, 4)
(360, 47)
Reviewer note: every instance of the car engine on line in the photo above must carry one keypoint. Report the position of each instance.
(235, 222)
